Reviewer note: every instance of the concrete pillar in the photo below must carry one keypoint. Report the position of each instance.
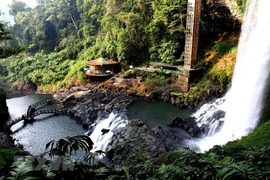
(192, 33)
(191, 44)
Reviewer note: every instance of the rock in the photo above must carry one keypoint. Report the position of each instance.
(4, 114)
(136, 143)
(219, 114)
(188, 124)
(104, 131)
(6, 140)
(86, 107)
(21, 89)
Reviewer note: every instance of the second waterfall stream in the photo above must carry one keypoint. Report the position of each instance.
(244, 101)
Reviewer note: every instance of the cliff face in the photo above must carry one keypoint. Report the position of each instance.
(235, 10)
(22, 89)
(232, 5)
(3, 107)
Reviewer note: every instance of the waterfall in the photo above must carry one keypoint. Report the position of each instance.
(244, 101)
(113, 124)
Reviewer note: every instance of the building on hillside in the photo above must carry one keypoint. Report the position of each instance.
(101, 67)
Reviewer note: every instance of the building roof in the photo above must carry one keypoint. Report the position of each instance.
(101, 61)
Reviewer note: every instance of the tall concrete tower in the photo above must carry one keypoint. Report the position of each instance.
(191, 46)
(192, 32)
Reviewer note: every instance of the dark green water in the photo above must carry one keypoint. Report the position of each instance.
(34, 136)
(156, 113)
(159, 114)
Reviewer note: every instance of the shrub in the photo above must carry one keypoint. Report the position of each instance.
(242, 5)
(224, 48)
(130, 73)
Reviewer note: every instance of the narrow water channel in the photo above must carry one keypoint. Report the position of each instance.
(34, 136)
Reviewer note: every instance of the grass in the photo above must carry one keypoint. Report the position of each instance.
(224, 48)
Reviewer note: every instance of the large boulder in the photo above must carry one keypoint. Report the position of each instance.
(136, 143)
(188, 124)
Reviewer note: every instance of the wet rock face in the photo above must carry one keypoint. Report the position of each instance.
(136, 143)
(188, 124)
(215, 118)
(3, 107)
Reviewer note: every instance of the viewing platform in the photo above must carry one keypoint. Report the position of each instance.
(183, 74)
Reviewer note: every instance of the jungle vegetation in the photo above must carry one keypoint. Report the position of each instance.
(59, 37)
(242, 159)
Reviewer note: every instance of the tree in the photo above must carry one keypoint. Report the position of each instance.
(17, 6)
(167, 30)
(4, 36)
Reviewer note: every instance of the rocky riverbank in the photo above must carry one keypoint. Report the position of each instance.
(146, 85)
(92, 102)
(5, 139)
(137, 141)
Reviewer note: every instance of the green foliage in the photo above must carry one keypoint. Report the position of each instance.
(219, 77)
(194, 94)
(167, 31)
(182, 155)
(23, 169)
(6, 48)
(6, 157)
(231, 161)
(77, 71)
(242, 4)
(224, 48)
(66, 146)
(41, 69)
(239, 171)
(130, 73)
(159, 80)
(2, 94)
(132, 32)
(169, 172)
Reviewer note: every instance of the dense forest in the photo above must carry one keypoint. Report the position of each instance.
(59, 37)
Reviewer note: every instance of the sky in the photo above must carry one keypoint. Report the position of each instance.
(5, 9)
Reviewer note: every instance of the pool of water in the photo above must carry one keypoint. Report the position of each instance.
(156, 113)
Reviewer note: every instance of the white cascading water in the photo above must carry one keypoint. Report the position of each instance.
(114, 123)
(244, 101)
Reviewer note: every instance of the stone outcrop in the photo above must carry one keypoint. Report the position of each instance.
(136, 143)
(22, 89)
(188, 124)
(87, 106)
(4, 114)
